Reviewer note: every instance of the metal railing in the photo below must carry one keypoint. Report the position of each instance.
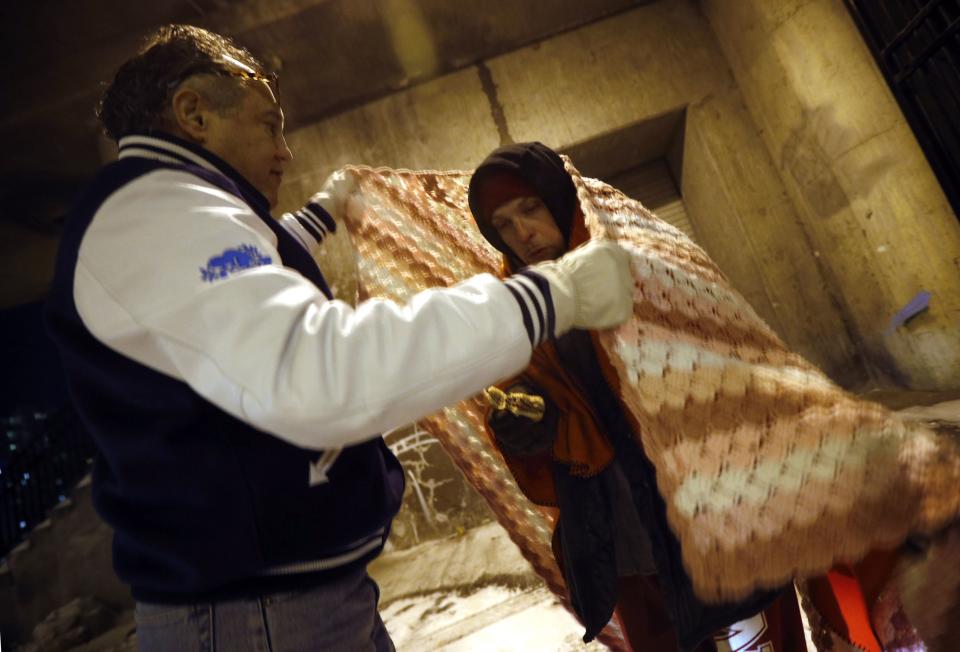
(40, 473)
(916, 44)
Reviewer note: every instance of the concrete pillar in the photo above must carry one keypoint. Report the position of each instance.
(877, 219)
(746, 221)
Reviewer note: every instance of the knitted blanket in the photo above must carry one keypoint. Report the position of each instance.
(768, 469)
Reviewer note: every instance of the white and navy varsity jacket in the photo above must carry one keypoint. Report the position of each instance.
(235, 404)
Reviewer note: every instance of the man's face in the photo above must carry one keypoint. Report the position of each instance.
(250, 138)
(527, 227)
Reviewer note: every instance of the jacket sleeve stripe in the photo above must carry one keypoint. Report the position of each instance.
(308, 224)
(307, 216)
(533, 294)
(524, 311)
(295, 228)
(317, 211)
(542, 287)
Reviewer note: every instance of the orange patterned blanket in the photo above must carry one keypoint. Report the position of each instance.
(769, 470)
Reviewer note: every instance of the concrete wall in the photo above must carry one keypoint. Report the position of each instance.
(863, 190)
(588, 83)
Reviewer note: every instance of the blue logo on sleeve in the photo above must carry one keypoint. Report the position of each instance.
(232, 261)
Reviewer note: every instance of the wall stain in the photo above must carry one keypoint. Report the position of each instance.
(496, 108)
(811, 149)
(805, 159)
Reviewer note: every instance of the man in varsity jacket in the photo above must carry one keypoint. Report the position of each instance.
(235, 404)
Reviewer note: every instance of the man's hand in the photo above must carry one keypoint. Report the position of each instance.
(592, 286)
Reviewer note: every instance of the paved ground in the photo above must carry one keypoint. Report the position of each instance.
(476, 592)
(471, 592)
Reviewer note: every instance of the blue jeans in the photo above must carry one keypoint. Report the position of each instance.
(341, 615)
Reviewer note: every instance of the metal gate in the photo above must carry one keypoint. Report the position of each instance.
(917, 46)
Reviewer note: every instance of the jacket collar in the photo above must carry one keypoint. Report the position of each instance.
(160, 146)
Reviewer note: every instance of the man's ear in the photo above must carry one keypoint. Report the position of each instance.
(190, 114)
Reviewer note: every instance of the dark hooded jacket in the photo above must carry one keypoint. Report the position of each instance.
(590, 506)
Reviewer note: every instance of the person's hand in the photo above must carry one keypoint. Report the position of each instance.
(337, 190)
(592, 287)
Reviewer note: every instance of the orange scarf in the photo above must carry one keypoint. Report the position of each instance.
(580, 440)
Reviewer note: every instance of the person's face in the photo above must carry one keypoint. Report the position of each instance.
(527, 227)
(250, 138)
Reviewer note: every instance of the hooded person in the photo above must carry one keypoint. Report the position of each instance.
(565, 436)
